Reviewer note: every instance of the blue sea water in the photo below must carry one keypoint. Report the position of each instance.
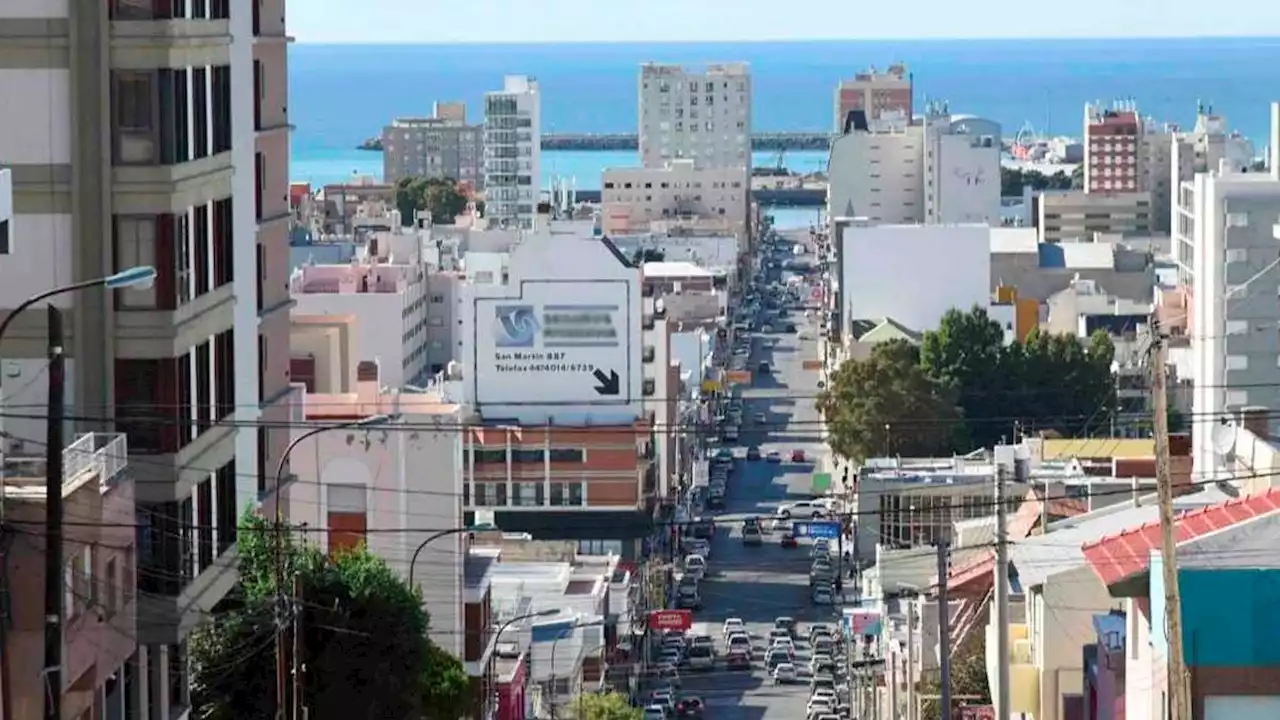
(343, 94)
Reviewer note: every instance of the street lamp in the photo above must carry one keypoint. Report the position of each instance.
(430, 539)
(497, 637)
(53, 589)
(294, 443)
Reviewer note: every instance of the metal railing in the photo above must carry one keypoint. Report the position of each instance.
(103, 454)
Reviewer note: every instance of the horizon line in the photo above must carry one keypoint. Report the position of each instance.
(801, 41)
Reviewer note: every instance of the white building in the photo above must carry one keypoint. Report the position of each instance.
(632, 198)
(700, 114)
(941, 169)
(558, 337)
(911, 273)
(1224, 235)
(389, 300)
(713, 252)
(513, 152)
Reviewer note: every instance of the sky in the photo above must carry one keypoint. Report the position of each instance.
(559, 21)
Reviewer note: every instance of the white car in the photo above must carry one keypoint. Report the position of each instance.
(695, 565)
(785, 673)
(655, 712)
(752, 536)
(819, 706)
(734, 625)
(786, 646)
(803, 508)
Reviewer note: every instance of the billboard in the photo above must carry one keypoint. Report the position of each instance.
(559, 342)
(824, 530)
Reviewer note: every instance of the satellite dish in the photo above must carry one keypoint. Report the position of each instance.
(1223, 438)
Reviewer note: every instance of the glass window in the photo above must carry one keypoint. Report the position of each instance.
(577, 494)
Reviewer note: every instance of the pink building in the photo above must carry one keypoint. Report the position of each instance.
(99, 568)
(1104, 676)
(512, 676)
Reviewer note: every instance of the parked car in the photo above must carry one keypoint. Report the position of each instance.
(784, 673)
(751, 535)
(774, 457)
(753, 453)
(788, 541)
(797, 456)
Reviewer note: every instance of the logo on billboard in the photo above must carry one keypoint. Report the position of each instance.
(515, 326)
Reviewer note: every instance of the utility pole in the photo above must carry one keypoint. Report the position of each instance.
(282, 610)
(299, 667)
(911, 656)
(1002, 597)
(944, 626)
(893, 686)
(1179, 689)
(54, 612)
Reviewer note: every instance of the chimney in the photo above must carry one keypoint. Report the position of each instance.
(1255, 419)
(368, 383)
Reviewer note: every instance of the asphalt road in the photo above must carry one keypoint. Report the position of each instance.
(759, 584)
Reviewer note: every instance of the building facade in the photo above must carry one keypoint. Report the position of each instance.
(1224, 240)
(700, 114)
(876, 94)
(1076, 215)
(441, 146)
(158, 135)
(513, 152)
(632, 198)
(1112, 148)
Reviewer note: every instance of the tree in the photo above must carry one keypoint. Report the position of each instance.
(605, 706)
(887, 404)
(364, 641)
(968, 677)
(1013, 180)
(439, 196)
(1047, 382)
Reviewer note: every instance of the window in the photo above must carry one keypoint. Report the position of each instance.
(204, 525)
(224, 363)
(1237, 327)
(221, 244)
(146, 402)
(568, 455)
(1237, 255)
(182, 260)
(225, 505)
(135, 246)
(175, 110)
(221, 107)
(1237, 220)
(111, 588)
(347, 516)
(1237, 362)
(200, 242)
(134, 96)
(200, 112)
(205, 411)
(5, 248)
(526, 494)
(259, 184)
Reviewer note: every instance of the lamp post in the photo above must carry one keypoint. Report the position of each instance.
(497, 637)
(430, 539)
(53, 589)
(282, 602)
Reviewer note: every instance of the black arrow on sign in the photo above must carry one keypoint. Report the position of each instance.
(610, 384)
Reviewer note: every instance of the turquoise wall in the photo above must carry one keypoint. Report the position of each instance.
(1230, 617)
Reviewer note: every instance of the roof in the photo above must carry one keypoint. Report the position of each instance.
(1128, 553)
(1037, 559)
(1014, 240)
(870, 330)
(1098, 448)
(675, 268)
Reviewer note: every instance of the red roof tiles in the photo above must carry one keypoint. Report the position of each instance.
(1117, 557)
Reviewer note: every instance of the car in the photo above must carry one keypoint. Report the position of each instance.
(785, 623)
(826, 693)
(823, 596)
(760, 418)
(715, 500)
(823, 645)
(700, 657)
(775, 656)
(797, 456)
(738, 659)
(751, 535)
(802, 508)
(733, 625)
(790, 327)
(784, 673)
(774, 457)
(666, 673)
(819, 664)
(695, 565)
(819, 706)
(753, 453)
(739, 641)
(788, 541)
(785, 646)
(654, 712)
(766, 328)
(690, 706)
(764, 368)
(688, 598)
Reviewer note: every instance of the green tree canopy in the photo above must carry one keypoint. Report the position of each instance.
(1013, 180)
(887, 404)
(364, 641)
(439, 196)
(1047, 382)
(968, 677)
(605, 706)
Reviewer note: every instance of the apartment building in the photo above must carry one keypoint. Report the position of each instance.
(940, 169)
(1204, 148)
(1112, 148)
(1225, 234)
(633, 198)
(513, 152)
(875, 94)
(701, 114)
(1066, 215)
(149, 133)
(443, 145)
(377, 292)
(100, 549)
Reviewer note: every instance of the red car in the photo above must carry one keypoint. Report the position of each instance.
(797, 456)
(788, 541)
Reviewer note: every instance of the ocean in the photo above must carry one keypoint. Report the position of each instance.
(342, 94)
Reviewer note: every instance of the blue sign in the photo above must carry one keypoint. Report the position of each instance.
(822, 530)
(550, 632)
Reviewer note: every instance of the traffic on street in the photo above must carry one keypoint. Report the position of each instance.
(760, 568)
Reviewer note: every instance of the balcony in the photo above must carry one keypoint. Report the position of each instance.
(100, 457)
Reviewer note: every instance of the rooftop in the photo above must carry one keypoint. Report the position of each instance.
(476, 569)
(675, 269)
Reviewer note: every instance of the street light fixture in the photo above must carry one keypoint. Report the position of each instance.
(294, 443)
(497, 637)
(432, 538)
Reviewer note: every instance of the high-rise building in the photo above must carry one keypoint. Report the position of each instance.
(513, 153)
(1225, 229)
(1112, 148)
(150, 133)
(440, 146)
(702, 114)
(876, 94)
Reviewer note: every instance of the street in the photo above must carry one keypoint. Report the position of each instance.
(759, 584)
